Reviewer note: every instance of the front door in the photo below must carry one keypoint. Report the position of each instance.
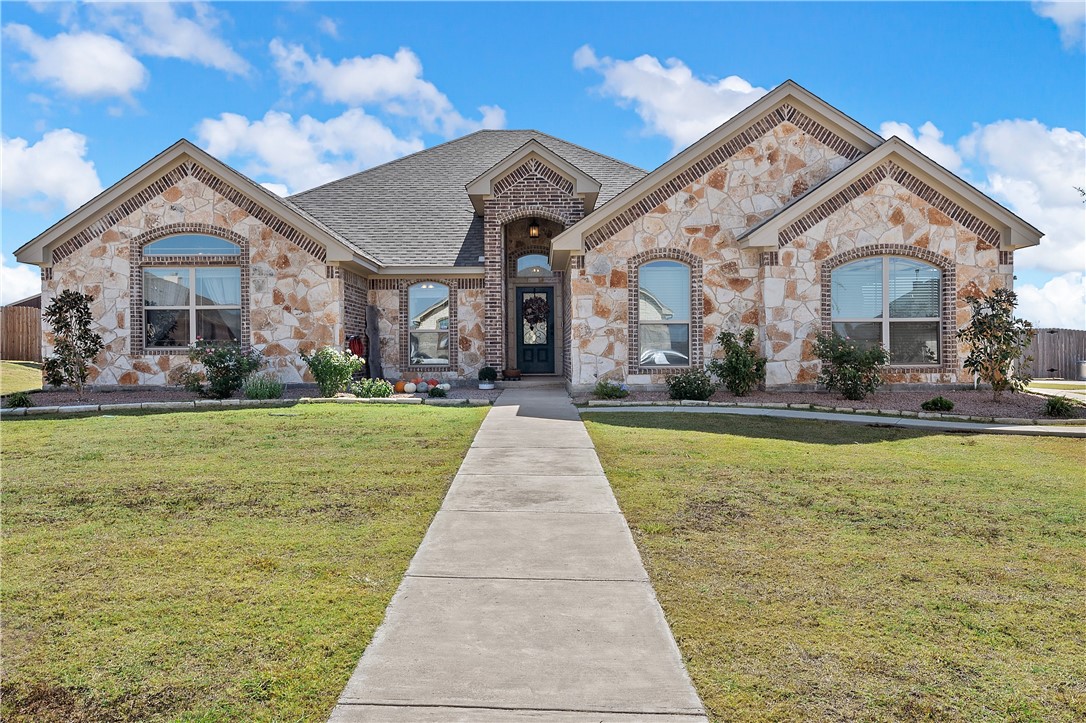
(535, 329)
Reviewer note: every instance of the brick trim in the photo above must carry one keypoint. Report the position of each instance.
(533, 212)
(47, 273)
(988, 235)
(171, 178)
(405, 344)
(511, 257)
(138, 262)
(948, 321)
(532, 166)
(785, 113)
(768, 258)
(1006, 258)
(633, 309)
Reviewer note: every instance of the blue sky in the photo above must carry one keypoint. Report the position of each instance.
(296, 94)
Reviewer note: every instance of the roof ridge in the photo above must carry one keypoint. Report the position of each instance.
(393, 161)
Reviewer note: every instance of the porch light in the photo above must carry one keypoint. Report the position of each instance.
(533, 229)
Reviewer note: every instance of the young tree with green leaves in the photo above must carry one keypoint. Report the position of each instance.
(997, 340)
(74, 343)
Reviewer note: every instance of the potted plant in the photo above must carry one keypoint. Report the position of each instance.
(487, 377)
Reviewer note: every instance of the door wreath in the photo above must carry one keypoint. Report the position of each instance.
(535, 310)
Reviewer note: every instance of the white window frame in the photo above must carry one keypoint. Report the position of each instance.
(885, 321)
(641, 324)
(192, 307)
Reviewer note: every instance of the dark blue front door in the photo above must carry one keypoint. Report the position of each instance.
(535, 329)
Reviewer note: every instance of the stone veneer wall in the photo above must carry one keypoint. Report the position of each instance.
(295, 300)
(531, 190)
(467, 296)
(701, 220)
(896, 215)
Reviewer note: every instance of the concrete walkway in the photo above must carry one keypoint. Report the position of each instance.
(929, 425)
(527, 599)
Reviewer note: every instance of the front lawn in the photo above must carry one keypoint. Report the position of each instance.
(225, 565)
(815, 571)
(18, 376)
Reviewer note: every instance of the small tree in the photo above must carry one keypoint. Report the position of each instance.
(74, 343)
(742, 368)
(996, 341)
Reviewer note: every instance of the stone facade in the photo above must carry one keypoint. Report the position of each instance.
(294, 298)
(699, 223)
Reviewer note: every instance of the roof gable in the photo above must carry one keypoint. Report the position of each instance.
(788, 102)
(922, 176)
(156, 175)
(490, 182)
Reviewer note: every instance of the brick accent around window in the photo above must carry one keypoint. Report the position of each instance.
(633, 310)
(139, 262)
(785, 113)
(989, 236)
(405, 331)
(948, 322)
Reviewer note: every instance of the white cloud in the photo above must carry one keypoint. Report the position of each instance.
(670, 100)
(328, 26)
(306, 152)
(394, 84)
(1034, 170)
(166, 30)
(81, 64)
(1070, 18)
(929, 142)
(18, 281)
(1060, 303)
(52, 170)
(279, 189)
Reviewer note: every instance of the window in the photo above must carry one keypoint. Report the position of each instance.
(183, 304)
(428, 309)
(664, 314)
(192, 245)
(533, 265)
(891, 301)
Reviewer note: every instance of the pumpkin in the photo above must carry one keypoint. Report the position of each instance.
(422, 387)
(433, 382)
(398, 387)
(409, 388)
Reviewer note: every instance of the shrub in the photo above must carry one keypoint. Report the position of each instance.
(938, 404)
(74, 344)
(488, 374)
(607, 389)
(332, 369)
(691, 384)
(438, 392)
(263, 387)
(226, 366)
(18, 399)
(849, 369)
(997, 341)
(1059, 407)
(741, 369)
(370, 388)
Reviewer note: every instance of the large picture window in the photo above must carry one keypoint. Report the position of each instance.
(664, 314)
(891, 301)
(183, 304)
(428, 312)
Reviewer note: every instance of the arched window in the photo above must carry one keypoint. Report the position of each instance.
(664, 314)
(533, 265)
(428, 312)
(891, 301)
(191, 244)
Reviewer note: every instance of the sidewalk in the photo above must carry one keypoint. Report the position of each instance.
(527, 599)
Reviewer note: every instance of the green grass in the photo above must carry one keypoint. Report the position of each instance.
(1068, 385)
(18, 376)
(814, 571)
(226, 565)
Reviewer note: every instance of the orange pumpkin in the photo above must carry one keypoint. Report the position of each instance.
(398, 387)
(416, 381)
(432, 382)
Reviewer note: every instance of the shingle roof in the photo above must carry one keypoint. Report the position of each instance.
(415, 211)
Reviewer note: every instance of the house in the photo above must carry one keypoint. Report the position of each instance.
(515, 249)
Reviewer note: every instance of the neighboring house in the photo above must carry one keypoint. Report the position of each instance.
(515, 249)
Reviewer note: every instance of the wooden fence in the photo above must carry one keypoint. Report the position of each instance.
(20, 333)
(1056, 353)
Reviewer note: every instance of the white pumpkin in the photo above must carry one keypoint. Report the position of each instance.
(409, 388)
(445, 386)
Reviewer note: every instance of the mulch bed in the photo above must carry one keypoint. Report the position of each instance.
(966, 402)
